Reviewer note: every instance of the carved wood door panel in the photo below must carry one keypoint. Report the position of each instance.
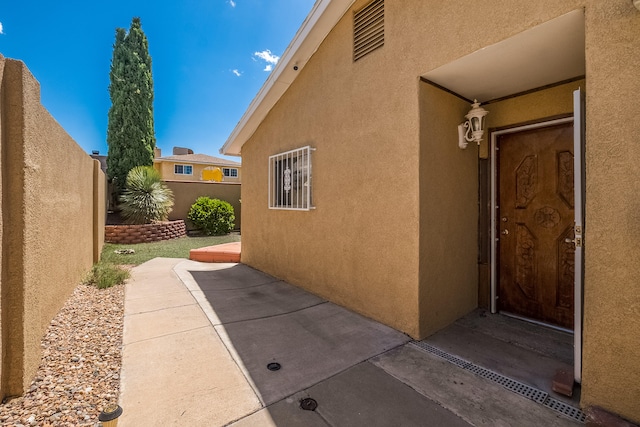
(535, 224)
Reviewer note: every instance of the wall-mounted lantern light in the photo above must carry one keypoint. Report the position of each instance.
(473, 128)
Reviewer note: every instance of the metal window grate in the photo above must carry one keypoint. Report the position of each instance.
(538, 396)
(368, 29)
(290, 180)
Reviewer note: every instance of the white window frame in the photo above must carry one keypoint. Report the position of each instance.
(175, 172)
(229, 172)
(290, 177)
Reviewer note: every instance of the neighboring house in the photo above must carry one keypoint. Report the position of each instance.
(358, 191)
(184, 165)
(191, 175)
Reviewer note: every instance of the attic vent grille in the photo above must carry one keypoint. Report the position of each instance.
(368, 29)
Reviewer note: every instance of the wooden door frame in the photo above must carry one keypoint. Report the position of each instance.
(578, 308)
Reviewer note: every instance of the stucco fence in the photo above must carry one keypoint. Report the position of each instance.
(144, 233)
(53, 200)
(186, 192)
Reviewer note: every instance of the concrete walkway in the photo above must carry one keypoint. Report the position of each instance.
(198, 338)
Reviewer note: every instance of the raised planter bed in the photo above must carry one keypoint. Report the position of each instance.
(144, 233)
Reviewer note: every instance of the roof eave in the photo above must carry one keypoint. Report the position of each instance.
(230, 163)
(324, 15)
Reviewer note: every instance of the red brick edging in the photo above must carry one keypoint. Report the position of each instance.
(143, 233)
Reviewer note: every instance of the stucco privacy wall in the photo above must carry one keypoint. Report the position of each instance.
(363, 247)
(186, 193)
(52, 192)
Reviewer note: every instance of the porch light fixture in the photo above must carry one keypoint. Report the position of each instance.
(473, 128)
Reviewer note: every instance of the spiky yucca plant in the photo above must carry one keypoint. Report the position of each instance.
(145, 199)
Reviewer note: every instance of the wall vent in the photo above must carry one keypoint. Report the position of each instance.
(368, 29)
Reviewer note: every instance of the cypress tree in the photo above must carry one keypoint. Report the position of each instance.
(130, 133)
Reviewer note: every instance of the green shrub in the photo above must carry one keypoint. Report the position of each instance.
(145, 199)
(105, 275)
(212, 216)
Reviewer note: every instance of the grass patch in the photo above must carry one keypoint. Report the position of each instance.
(105, 275)
(175, 248)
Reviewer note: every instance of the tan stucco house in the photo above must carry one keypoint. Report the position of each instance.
(360, 190)
(184, 165)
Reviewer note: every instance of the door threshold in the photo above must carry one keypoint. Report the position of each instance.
(537, 322)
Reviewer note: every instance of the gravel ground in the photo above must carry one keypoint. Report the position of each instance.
(80, 369)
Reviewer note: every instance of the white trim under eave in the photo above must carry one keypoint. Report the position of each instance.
(324, 15)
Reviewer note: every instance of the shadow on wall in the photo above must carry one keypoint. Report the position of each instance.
(264, 320)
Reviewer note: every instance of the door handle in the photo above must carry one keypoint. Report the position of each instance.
(505, 232)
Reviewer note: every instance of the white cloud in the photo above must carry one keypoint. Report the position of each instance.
(1, 31)
(232, 3)
(236, 72)
(268, 57)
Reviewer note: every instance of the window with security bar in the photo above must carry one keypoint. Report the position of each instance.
(290, 180)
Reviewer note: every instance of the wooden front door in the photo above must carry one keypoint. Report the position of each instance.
(535, 220)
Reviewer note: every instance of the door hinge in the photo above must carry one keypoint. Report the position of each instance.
(579, 241)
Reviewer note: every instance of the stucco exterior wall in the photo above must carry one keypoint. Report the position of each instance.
(448, 213)
(611, 377)
(49, 238)
(369, 242)
(532, 107)
(186, 193)
(359, 247)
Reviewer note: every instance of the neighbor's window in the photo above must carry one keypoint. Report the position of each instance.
(183, 169)
(230, 172)
(290, 180)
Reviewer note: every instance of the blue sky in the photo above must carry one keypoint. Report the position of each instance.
(210, 58)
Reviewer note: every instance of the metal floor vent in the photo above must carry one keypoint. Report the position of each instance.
(538, 396)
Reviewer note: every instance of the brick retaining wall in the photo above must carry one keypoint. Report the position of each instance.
(143, 233)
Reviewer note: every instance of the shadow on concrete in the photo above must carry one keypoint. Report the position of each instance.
(322, 350)
(358, 371)
(523, 351)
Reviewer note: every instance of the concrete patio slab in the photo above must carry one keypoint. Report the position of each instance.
(198, 357)
(235, 276)
(158, 302)
(540, 340)
(184, 379)
(255, 302)
(500, 356)
(476, 400)
(363, 395)
(285, 413)
(154, 278)
(366, 395)
(153, 324)
(311, 345)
